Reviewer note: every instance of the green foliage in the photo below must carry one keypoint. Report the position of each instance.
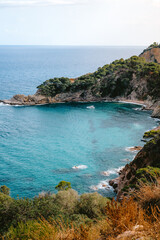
(54, 86)
(63, 185)
(148, 174)
(154, 138)
(67, 200)
(22, 231)
(92, 205)
(110, 80)
(5, 190)
(155, 44)
(83, 83)
(129, 187)
(151, 134)
(66, 205)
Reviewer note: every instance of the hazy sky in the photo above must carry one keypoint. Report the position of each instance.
(79, 22)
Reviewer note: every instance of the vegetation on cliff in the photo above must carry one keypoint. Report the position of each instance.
(154, 45)
(116, 79)
(145, 168)
(152, 133)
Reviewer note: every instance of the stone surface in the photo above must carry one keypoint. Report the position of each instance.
(151, 55)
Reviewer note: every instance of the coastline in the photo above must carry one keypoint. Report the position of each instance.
(49, 100)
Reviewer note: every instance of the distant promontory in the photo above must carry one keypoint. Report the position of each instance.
(152, 53)
(135, 79)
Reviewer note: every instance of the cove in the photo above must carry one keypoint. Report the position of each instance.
(42, 145)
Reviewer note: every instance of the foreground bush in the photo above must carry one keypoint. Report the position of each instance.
(66, 204)
(126, 220)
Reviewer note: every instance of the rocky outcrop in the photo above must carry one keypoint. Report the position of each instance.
(148, 156)
(21, 99)
(151, 54)
(132, 80)
(36, 99)
(156, 112)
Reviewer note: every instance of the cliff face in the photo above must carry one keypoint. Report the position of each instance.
(148, 156)
(151, 55)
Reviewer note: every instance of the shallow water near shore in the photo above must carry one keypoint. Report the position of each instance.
(42, 145)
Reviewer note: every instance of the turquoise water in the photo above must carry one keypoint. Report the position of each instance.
(40, 145)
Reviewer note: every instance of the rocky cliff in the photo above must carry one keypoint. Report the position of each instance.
(151, 54)
(148, 156)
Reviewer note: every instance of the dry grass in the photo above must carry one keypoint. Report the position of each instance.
(124, 221)
(149, 195)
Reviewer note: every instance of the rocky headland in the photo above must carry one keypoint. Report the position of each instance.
(136, 79)
(152, 53)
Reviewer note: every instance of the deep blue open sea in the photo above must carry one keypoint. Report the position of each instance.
(42, 145)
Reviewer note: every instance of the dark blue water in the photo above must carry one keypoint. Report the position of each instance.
(41, 145)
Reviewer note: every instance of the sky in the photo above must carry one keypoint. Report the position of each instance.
(79, 22)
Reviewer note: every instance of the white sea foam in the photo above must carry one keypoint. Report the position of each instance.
(104, 185)
(112, 171)
(137, 109)
(3, 105)
(129, 149)
(157, 119)
(91, 107)
(135, 103)
(125, 160)
(108, 173)
(80, 167)
(120, 169)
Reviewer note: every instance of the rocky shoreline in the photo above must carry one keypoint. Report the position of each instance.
(37, 99)
(149, 155)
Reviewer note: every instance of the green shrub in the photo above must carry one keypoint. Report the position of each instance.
(148, 174)
(67, 201)
(4, 189)
(63, 185)
(151, 134)
(92, 205)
